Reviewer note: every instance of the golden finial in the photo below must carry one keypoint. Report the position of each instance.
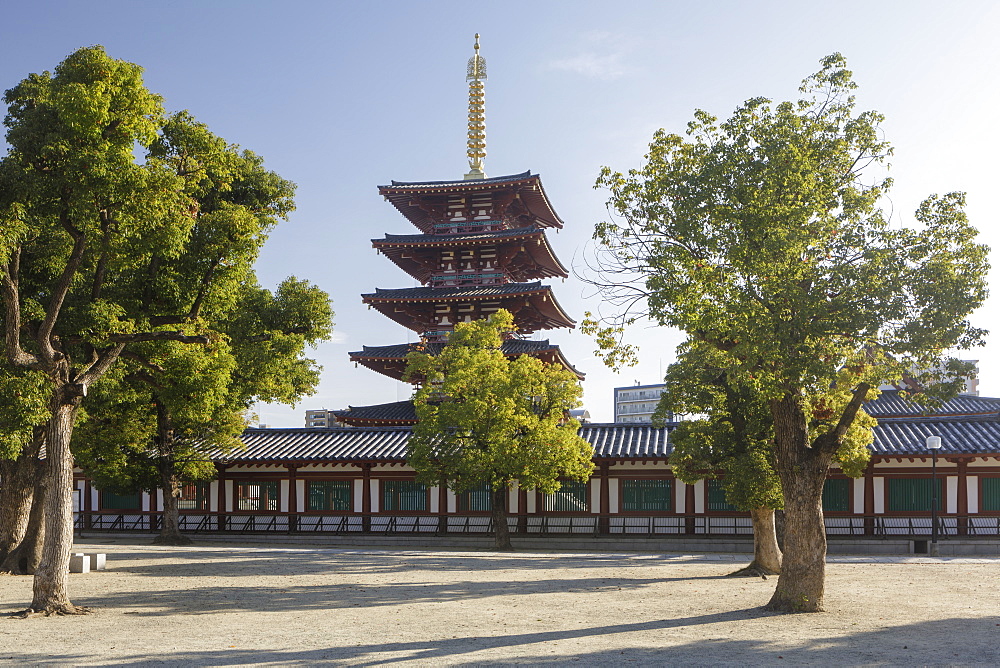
(475, 75)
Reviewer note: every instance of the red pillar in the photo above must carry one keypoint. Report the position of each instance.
(221, 496)
(293, 498)
(366, 497)
(689, 509)
(963, 498)
(604, 519)
(869, 508)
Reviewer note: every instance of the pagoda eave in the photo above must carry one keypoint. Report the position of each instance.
(524, 257)
(398, 413)
(391, 360)
(416, 201)
(421, 309)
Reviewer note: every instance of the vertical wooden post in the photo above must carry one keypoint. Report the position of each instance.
(366, 497)
(443, 507)
(522, 510)
(221, 497)
(963, 498)
(293, 498)
(86, 504)
(869, 509)
(604, 519)
(689, 509)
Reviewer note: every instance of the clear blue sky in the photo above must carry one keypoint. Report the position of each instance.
(340, 97)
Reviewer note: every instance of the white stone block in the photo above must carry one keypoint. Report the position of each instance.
(98, 561)
(79, 563)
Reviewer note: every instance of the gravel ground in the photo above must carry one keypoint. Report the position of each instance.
(237, 605)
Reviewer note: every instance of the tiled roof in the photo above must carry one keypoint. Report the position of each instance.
(510, 347)
(615, 440)
(397, 411)
(892, 404)
(457, 238)
(532, 204)
(389, 443)
(965, 435)
(456, 293)
(460, 182)
(894, 437)
(322, 445)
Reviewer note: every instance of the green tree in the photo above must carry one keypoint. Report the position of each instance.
(101, 252)
(762, 237)
(486, 420)
(157, 425)
(731, 432)
(23, 412)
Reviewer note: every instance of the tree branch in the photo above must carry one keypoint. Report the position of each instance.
(44, 335)
(830, 441)
(12, 318)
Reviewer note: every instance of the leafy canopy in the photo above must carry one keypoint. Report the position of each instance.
(762, 236)
(731, 430)
(487, 419)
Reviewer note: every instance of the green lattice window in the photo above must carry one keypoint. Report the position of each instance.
(476, 499)
(647, 495)
(112, 501)
(404, 495)
(717, 497)
(837, 495)
(571, 497)
(991, 493)
(329, 495)
(256, 495)
(913, 494)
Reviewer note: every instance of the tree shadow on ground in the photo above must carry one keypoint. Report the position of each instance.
(255, 563)
(200, 600)
(933, 642)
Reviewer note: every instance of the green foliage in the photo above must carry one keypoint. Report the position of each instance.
(23, 405)
(150, 260)
(762, 236)
(732, 432)
(485, 419)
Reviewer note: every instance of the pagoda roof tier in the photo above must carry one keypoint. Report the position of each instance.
(390, 360)
(398, 413)
(528, 253)
(517, 198)
(533, 305)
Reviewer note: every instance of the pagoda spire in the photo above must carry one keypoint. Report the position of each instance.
(475, 75)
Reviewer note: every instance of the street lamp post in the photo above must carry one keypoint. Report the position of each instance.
(934, 444)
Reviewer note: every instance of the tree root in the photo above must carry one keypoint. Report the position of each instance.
(754, 570)
(58, 610)
(792, 608)
(177, 539)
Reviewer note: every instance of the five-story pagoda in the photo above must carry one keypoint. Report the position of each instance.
(481, 247)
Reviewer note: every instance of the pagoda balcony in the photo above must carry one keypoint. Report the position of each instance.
(469, 278)
(424, 309)
(391, 360)
(523, 254)
(470, 226)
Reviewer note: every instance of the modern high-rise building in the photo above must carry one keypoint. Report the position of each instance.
(637, 403)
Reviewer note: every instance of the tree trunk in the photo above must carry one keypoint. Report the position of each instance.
(24, 559)
(766, 553)
(170, 533)
(18, 478)
(501, 532)
(51, 594)
(802, 470)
